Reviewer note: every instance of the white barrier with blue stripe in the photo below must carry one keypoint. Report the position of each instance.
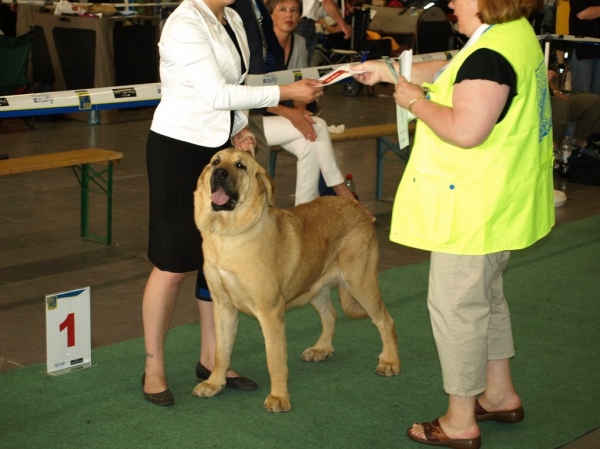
(141, 95)
(81, 100)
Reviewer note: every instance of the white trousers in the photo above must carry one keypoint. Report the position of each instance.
(313, 157)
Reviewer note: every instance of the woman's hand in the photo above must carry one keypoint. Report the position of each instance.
(245, 141)
(302, 121)
(559, 94)
(406, 92)
(373, 72)
(303, 91)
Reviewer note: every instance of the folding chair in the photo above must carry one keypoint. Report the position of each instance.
(14, 60)
(434, 32)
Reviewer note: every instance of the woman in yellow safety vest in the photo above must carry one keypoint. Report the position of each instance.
(478, 185)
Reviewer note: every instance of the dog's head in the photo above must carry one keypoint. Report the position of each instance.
(233, 192)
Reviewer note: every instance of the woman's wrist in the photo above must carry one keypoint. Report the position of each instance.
(412, 102)
(282, 92)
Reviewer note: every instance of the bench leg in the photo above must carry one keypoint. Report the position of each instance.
(383, 146)
(87, 176)
(272, 163)
(379, 176)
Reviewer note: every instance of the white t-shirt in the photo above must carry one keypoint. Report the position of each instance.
(310, 9)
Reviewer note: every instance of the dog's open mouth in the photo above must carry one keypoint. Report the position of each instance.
(222, 197)
(220, 200)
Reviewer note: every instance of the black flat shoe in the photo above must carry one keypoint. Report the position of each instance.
(239, 383)
(162, 398)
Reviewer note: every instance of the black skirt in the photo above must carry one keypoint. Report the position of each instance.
(174, 242)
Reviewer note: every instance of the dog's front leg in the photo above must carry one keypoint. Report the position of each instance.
(226, 325)
(272, 322)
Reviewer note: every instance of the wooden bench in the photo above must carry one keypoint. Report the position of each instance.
(383, 145)
(87, 176)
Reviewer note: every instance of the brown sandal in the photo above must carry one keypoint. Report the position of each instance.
(435, 436)
(508, 417)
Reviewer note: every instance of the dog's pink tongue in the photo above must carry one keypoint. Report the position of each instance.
(219, 196)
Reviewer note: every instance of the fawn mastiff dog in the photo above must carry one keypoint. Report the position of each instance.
(262, 260)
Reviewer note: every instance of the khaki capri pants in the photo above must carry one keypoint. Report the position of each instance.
(469, 316)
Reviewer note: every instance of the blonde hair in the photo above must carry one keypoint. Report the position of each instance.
(501, 11)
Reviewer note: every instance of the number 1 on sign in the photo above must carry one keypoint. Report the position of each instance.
(69, 324)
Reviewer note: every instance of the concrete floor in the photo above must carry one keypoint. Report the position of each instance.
(41, 251)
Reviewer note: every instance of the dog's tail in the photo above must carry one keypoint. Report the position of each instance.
(350, 306)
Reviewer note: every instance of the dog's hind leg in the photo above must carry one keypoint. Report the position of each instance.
(323, 348)
(365, 290)
(272, 322)
(226, 325)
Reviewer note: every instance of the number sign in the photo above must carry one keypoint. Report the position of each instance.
(68, 331)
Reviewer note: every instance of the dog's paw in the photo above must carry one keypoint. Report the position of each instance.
(207, 390)
(315, 354)
(277, 404)
(388, 369)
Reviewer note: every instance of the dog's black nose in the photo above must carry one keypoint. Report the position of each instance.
(220, 174)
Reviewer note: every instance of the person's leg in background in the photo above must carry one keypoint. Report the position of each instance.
(314, 158)
(256, 126)
(280, 131)
(332, 175)
(561, 117)
(582, 71)
(585, 110)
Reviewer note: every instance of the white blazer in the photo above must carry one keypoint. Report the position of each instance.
(200, 77)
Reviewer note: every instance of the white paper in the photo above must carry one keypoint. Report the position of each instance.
(338, 74)
(402, 115)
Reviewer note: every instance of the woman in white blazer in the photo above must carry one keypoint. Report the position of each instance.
(204, 57)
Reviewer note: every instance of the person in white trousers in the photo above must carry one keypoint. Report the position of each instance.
(291, 125)
(314, 156)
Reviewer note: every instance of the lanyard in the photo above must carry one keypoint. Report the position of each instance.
(391, 67)
(401, 114)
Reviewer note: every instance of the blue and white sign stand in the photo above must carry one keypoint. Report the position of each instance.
(68, 331)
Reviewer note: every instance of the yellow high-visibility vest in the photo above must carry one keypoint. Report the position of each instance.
(495, 197)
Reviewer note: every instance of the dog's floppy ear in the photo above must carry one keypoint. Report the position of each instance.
(267, 184)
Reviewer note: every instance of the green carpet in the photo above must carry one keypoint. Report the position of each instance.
(552, 289)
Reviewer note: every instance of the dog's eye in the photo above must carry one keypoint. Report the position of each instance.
(241, 166)
(216, 161)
